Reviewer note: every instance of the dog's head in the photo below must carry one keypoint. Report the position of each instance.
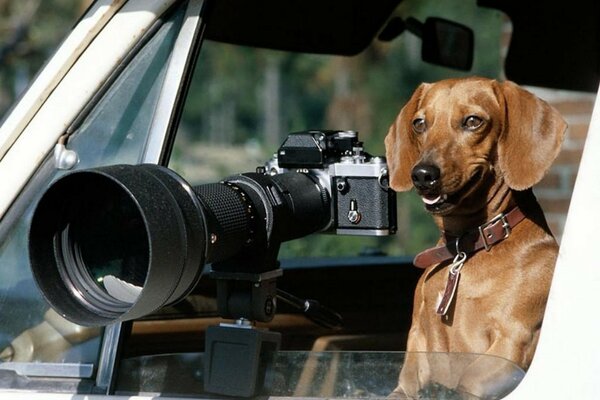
(456, 136)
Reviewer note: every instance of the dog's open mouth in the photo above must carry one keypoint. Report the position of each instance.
(432, 200)
(438, 204)
(441, 203)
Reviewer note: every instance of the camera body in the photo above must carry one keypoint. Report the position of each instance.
(362, 203)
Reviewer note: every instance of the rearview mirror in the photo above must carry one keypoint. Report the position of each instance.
(444, 42)
(447, 43)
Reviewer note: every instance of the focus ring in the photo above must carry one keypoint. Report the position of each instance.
(229, 219)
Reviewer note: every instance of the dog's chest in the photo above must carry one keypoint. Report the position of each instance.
(472, 310)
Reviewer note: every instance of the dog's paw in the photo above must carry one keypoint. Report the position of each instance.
(437, 391)
(398, 394)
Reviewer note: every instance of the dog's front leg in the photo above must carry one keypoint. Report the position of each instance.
(415, 370)
(408, 382)
(490, 376)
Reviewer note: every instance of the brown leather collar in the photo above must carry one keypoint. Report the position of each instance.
(482, 237)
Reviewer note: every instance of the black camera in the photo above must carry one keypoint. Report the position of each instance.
(357, 183)
(115, 243)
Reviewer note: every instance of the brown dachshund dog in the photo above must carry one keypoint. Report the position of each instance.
(472, 148)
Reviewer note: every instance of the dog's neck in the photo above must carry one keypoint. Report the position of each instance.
(499, 198)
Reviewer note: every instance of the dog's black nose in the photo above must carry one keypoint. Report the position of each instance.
(426, 177)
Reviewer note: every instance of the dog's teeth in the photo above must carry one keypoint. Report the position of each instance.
(436, 200)
(429, 201)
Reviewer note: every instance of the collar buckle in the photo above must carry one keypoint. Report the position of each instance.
(488, 237)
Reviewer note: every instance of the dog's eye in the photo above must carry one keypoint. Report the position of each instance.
(419, 125)
(472, 122)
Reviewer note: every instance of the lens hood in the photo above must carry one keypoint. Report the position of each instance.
(116, 243)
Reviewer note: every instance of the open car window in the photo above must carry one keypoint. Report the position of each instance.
(244, 101)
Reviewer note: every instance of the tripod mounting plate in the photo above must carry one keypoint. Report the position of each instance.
(236, 358)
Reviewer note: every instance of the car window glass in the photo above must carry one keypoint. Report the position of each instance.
(303, 374)
(122, 119)
(115, 131)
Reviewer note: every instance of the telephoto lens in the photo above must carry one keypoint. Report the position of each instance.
(116, 243)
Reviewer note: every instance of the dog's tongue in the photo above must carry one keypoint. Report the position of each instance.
(431, 199)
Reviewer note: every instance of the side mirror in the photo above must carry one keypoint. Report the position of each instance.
(444, 42)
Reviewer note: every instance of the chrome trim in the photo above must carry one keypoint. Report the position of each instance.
(108, 357)
(367, 169)
(363, 232)
(52, 370)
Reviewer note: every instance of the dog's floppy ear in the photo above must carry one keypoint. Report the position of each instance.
(401, 149)
(532, 135)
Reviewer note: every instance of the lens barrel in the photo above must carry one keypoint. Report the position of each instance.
(116, 243)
